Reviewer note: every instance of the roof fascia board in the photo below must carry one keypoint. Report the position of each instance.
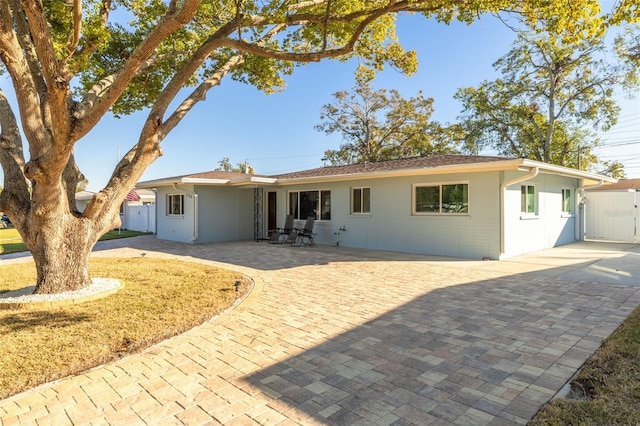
(565, 171)
(254, 181)
(204, 181)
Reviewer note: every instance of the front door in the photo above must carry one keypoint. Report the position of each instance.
(271, 211)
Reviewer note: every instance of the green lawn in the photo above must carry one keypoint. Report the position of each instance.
(11, 242)
(160, 299)
(609, 384)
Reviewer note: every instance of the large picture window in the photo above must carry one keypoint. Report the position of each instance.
(360, 200)
(567, 201)
(175, 204)
(528, 199)
(303, 204)
(451, 198)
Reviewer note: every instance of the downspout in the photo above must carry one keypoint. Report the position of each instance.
(532, 174)
(195, 210)
(582, 232)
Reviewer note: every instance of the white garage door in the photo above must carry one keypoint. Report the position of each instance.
(611, 216)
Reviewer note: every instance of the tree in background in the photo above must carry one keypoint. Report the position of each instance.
(82, 185)
(379, 125)
(226, 166)
(549, 91)
(554, 93)
(614, 169)
(70, 64)
(627, 47)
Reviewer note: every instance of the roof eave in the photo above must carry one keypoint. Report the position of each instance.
(254, 180)
(566, 171)
(249, 180)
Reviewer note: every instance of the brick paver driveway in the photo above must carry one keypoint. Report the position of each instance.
(337, 336)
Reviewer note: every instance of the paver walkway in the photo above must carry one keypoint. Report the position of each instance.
(333, 336)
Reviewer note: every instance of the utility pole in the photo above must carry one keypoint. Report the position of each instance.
(579, 152)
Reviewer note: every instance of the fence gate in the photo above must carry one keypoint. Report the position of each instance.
(611, 216)
(140, 218)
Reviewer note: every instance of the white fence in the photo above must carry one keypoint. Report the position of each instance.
(611, 216)
(139, 218)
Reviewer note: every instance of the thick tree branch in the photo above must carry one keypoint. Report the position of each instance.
(41, 36)
(15, 195)
(90, 46)
(71, 176)
(77, 29)
(56, 79)
(199, 94)
(175, 18)
(24, 37)
(24, 85)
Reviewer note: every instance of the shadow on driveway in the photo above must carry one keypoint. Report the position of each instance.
(487, 352)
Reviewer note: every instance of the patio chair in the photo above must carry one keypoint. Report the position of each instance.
(305, 235)
(280, 235)
(292, 237)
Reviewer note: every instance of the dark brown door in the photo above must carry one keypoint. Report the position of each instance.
(271, 211)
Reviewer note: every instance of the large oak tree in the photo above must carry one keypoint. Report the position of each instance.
(71, 63)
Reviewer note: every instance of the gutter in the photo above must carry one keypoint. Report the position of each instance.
(195, 210)
(533, 172)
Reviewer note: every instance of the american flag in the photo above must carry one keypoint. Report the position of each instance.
(132, 196)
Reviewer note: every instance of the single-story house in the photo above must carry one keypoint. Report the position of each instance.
(612, 211)
(450, 205)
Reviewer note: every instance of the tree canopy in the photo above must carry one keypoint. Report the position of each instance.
(378, 125)
(552, 96)
(225, 165)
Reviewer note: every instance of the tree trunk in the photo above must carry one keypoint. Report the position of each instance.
(60, 246)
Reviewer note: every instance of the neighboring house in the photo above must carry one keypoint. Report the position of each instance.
(450, 205)
(82, 199)
(137, 212)
(612, 211)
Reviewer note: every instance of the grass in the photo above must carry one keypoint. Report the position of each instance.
(609, 381)
(11, 242)
(161, 298)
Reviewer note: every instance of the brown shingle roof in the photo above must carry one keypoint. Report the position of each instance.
(429, 161)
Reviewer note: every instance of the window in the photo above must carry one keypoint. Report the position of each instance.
(567, 201)
(360, 200)
(528, 199)
(441, 198)
(175, 204)
(303, 204)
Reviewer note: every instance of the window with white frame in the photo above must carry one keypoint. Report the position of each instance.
(360, 200)
(175, 204)
(316, 203)
(528, 199)
(567, 201)
(449, 198)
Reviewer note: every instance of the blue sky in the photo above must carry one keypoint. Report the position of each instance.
(275, 133)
